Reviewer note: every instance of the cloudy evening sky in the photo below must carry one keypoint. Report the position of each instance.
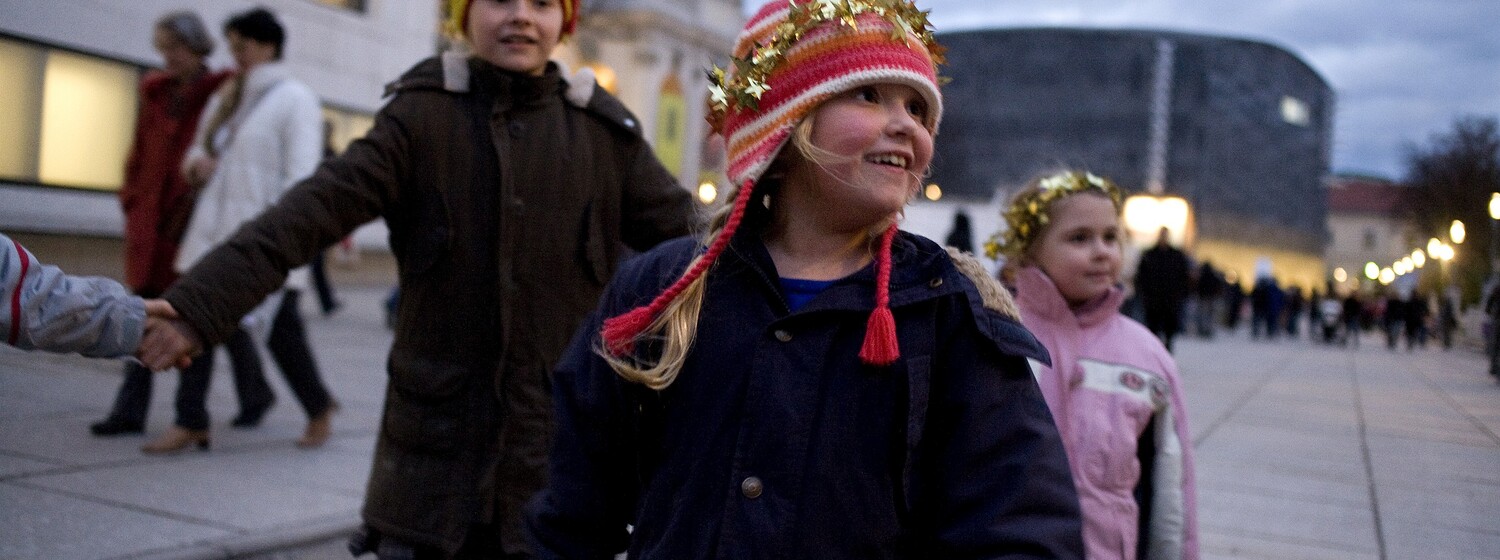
(1401, 71)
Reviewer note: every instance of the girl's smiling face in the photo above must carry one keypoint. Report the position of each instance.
(873, 149)
(1080, 248)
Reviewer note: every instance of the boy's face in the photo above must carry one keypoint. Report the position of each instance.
(516, 35)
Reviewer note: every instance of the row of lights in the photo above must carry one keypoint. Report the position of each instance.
(1436, 250)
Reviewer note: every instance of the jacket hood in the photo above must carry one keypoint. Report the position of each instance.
(459, 72)
(1037, 294)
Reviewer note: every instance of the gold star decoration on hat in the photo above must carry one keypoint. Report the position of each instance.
(743, 88)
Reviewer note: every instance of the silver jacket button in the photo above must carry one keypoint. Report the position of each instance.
(751, 487)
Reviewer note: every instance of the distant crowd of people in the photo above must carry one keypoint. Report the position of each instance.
(1209, 302)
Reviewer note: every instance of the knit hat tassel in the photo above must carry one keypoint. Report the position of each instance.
(880, 347)
(621, 331)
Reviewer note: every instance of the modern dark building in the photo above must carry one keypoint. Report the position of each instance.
(1241, 129)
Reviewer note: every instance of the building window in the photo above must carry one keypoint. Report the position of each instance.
(345, 126)
(355, 5)
(1295, 111)
(68, 117)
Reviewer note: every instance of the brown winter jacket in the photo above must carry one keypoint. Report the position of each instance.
(509, 200)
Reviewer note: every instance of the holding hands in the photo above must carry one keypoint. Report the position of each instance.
(168, 341)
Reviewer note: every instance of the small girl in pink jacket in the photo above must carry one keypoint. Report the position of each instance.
(1112, 387)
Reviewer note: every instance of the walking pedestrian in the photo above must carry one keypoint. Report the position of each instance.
(1393, 318)
(1492, 312)
(263, 136)
(961, 237)
(1352, 316)
(815, 383)
(1111, 385)
(511, 189)
(1415, 313)
(1265, 302)
(157, 201)
(1295, 303)
(1161, 283)
(1447, 318)
(1209, 290)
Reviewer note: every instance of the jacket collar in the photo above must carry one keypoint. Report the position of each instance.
(520, 89)
(265, 76)
(920, 270)
(1037, 295)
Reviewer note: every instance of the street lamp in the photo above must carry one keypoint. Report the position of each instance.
(1494, 241)
(1146, 214)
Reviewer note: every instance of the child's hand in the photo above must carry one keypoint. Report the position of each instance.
(169, 341)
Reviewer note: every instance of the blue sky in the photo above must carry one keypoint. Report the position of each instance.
(1401, 71)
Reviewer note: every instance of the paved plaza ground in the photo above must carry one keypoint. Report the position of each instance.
(1304, 452)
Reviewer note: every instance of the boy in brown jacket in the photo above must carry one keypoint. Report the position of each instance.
(509, 190)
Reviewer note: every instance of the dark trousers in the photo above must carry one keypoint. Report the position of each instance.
(289, 348)
(326, 301)
(134, 398)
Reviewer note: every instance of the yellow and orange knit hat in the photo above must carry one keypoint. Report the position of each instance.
(791, 57)
(458, 17)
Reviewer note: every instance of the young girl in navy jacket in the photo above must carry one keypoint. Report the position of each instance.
(809, 381)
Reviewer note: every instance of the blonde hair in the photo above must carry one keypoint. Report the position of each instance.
(676, 327)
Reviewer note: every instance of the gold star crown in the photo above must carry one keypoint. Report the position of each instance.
(1030, 212)
(742, 88)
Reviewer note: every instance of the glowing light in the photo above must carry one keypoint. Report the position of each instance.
(1495, 206)
(1433, 247)
(1372, 270)
(708, 192)
(1418, 258)
(1457, 233)
(933, 191)
(1387, 276)
(1399, 267)
(1340, 275)
(1145, 215)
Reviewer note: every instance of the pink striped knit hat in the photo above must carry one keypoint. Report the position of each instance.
(791, 57)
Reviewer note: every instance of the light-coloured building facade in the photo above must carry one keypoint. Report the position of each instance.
(1365, 225)
(69, 69)
(654, 55)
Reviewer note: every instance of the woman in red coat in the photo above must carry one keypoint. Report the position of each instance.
(158, 201)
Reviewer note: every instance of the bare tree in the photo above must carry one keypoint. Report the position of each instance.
(1451, 179)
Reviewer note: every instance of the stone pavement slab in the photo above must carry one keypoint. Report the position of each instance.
(1304, 452)
(66, 494)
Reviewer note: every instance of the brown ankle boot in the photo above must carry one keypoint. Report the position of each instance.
(177, 439)
(319, 428)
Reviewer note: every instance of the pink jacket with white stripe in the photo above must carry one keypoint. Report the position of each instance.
(1109, 379)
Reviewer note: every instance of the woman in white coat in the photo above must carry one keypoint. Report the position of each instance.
(262, 133)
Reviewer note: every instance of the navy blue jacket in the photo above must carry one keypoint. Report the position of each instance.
(776, 442)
